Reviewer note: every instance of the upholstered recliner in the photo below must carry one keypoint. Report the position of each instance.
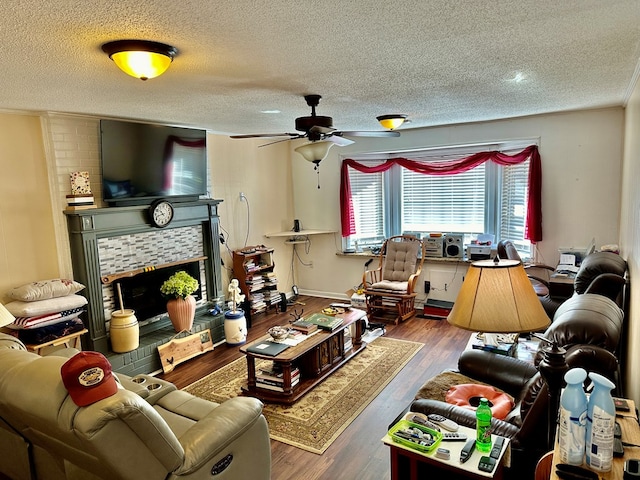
(390, 288)
(169, 435)
(587, 326)
(602, 273)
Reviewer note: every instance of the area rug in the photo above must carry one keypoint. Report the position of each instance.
(318, 418)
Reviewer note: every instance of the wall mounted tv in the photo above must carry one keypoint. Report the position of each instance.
(142, 162)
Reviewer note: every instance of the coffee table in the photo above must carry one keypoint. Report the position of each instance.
(317, 357)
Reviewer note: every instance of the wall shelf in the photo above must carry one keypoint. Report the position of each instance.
(301, 233)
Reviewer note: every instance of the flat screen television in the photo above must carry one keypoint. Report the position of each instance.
(142, 162)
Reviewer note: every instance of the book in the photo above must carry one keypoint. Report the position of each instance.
(505, 346)
(324, 322)
(72, 208)
(268, 348)
(304, 326)
(275, 388)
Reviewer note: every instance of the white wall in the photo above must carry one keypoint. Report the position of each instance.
(630, 240)
(581, 168)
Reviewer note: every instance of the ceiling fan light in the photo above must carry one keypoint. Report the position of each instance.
(393, 121)
(140, 58)
(315, 152)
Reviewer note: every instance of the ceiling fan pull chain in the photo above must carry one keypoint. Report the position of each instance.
(318, 173)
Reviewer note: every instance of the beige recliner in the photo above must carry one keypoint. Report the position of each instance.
(169, 435)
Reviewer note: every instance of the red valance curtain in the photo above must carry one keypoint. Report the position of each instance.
(533, 226)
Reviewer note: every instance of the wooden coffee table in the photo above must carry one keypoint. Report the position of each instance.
(317, 357)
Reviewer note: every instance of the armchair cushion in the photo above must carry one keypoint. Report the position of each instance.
(400, 261)
(386, 285)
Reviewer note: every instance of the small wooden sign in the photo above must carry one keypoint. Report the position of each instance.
(180, 350)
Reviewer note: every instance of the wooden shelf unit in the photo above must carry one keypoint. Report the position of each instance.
(254, 269)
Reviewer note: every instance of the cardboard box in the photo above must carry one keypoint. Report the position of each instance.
(357, 300)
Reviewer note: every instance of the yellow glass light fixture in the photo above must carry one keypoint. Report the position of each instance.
(141, 59)
(392, 121)
(497, 296)
(5, 316)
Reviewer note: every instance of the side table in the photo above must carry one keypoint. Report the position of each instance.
(410, 464)
(71, 340)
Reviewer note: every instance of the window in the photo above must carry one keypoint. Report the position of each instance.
(489, 198)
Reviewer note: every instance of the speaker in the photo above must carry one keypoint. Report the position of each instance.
(453, 245)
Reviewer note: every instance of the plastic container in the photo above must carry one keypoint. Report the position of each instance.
(406, 424)
(572, 427)
(601, 419)
(483, 426)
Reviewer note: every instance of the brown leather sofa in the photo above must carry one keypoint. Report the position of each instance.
(588, 326)
(602, 273)
(147, 429)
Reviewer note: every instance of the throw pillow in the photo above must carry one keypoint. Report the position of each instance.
(45, 289)
(41, 307)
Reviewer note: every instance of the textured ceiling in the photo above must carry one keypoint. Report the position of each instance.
(440, 62)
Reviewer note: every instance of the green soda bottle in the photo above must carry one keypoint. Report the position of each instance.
(483, 426)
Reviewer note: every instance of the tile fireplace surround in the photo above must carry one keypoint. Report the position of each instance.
(108, 241)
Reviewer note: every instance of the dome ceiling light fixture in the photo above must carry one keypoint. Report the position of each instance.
(141, 59)
(392, 121)
(315, 152)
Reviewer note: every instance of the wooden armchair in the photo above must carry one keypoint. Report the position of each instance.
(390, 289)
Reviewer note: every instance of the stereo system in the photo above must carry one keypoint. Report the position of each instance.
(433, 246)
(453, 245)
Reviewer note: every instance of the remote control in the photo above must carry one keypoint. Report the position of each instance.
(453, 437)
(486, 464)
(497, 447)
(425, 423)
(443, 422)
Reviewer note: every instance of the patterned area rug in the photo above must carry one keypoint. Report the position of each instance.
(318, 418)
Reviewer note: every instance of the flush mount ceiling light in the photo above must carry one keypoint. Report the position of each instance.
(142, 59)
(393, 121)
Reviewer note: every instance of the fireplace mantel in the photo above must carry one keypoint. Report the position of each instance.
(86, 229)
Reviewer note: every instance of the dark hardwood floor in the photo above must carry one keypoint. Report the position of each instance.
(358, 453)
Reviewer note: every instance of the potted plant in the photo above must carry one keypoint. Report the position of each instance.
(181, 305)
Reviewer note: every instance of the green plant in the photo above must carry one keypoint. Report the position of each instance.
(180, 284)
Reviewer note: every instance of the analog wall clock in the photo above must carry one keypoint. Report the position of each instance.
(161, 213)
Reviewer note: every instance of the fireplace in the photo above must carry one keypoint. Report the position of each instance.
(119, 246)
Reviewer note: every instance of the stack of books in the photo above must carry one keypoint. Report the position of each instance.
(272, 378)
(324, 322)
(80, 201)
(304, 326)
(506, 344)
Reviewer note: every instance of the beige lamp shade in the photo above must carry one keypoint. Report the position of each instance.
(5, 316)
(315, 152)
(498, 297)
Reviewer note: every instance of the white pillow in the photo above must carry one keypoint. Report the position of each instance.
(42, 307)
(45, 289)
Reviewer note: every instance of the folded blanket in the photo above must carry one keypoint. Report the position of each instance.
(22, 323)
(37, 336)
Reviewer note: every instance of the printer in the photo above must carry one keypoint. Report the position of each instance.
(481, 248)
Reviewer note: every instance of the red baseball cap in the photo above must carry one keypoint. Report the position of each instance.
(88, 378)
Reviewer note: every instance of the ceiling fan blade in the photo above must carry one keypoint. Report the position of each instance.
(340, 141)
(384, 133)
(323, 130)
(259, 135)
(276, 141)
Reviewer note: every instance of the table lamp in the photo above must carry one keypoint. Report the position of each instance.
(497, 296)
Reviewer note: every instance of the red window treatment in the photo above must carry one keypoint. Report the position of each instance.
(533, 226)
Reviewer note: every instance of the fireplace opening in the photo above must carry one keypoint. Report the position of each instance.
(142, 292)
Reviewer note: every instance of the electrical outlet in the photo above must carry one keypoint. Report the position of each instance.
(427, 286)
(242, 197)
(445, 287)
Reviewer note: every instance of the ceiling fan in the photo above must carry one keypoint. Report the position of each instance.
(317, 127)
